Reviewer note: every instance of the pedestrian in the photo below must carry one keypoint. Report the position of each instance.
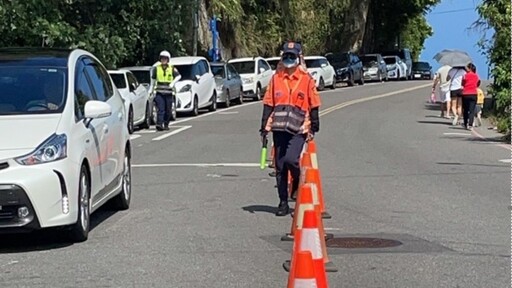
(469, 95)
(480, 98)
(455, 76)
(290, 111)
(441, 87)
(165, 76)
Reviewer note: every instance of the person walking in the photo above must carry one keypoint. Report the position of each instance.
(455, 76)
(441, 86)
(469, 95)
(290, 111)
(480, 99)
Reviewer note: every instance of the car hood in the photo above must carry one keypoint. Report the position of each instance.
(311, 70)
(180, 84)
(23, 133)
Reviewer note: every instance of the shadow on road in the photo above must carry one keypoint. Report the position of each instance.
(260, 208)
(473, 164)
(47, 239)
(434, 122)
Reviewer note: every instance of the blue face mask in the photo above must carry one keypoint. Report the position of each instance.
(290, 60)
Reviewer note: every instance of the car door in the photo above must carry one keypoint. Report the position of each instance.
(266, 75)
(204, 96)
(326, 71)
(113, 127)
(210, 80)
(139, 99)
(92, 136)
(235, 80)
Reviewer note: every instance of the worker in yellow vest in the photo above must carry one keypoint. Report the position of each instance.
(165, 76)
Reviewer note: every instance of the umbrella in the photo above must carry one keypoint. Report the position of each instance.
(453, 58)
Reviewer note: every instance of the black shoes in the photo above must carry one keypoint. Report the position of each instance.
(283, 209)
(161, 127)
(272, 174)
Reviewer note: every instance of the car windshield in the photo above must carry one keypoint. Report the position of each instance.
(420, 65)
(32, 89)
(390, 60)
(218, 71)
(400, 54)
(273, 63)
(369, 61)
(118, 80)
(142, 76)
(246, 67)
(338, 60)
(186, 72)
(313, 63)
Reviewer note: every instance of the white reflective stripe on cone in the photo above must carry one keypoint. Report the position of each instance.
(305, 283)
(314, 161)
(314, 190)
(310, 241)
(300, 217)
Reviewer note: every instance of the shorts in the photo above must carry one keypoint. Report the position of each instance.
(444, 95)
(456, 93)
(478, 108)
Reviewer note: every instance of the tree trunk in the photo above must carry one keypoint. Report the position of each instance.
(354, 25)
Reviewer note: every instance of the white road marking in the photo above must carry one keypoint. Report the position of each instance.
(248, 165)
(332, 229)
(134, 136)
(161, 137)
(506, 160)
(228, 113)
(455, 133)
(213, 113)
(146, 131)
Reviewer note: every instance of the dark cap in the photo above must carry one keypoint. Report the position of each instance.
(292, 47)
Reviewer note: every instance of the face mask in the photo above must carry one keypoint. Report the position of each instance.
(290, 62)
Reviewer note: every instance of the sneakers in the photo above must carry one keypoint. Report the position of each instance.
(455, 120)
(283, 209)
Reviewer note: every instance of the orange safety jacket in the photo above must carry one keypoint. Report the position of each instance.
(297, 90)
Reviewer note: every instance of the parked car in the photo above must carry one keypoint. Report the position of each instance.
(65, 148)
(228, 83)
(348, 67)
(137, 101)
(405, 55)
(374, 67)
(256, 74)
(422, 70)
(196, 88)
(273, 61)
(143, 75)
(397, 69)
(322, 71)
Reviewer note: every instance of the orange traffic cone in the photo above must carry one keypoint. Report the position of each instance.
(304, 202)
(309, 240)
(304, 272)
(317, 179)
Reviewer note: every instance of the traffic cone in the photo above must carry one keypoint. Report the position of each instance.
(317, 179)
(304, 202)
(309, 240)
(304, 272)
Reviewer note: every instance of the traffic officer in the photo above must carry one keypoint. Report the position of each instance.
(290, 112)
(165, 76)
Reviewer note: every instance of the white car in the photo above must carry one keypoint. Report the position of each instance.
(397, 69)
(256, 74)
(196, 88)
(65, 149)
(137, 101)
(273, 61)
(322, 71)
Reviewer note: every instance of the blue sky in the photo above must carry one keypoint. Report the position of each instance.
(451, 21)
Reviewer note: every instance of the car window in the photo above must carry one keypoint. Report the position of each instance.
(199, 68)
(206, 66)
(265, 65)
(245, 67)
(132, 79)
(219, 71)
(100, 81)
(83, 92)
(313, 63)
(142, 76)
(187, 72)
(119, 80)
(273, 63)
(232, 70)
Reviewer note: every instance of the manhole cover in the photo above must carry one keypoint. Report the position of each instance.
(354, 242)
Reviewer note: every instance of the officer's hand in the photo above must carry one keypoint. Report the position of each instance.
(310, 137)
(263, 135)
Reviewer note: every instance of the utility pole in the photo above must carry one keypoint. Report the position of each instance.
(196, 27)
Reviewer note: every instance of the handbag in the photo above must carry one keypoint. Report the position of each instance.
(288, 118)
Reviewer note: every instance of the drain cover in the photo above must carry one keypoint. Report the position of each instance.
(355, 242)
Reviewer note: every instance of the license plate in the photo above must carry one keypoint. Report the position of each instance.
(417, 75)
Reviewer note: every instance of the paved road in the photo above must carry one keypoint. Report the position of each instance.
(391, 169)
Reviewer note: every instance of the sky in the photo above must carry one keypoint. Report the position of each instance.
(451, 34)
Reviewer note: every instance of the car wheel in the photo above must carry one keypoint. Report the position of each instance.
(195, 109)
(173, 115)
(213, 107)
(398, 75)
(123, 199)
(333, 86)
(350, 80)
(130, 121)
(241, 96)
(228, 99)
(258, 93)
(321, 84)
(147, 118)
(80, 230)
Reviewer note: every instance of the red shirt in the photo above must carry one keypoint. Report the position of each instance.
(470, 83)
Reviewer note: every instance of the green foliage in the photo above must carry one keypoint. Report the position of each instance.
(496, 15)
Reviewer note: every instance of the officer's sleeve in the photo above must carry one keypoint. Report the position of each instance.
(268, 105)
(314, 104)
(153, 73)
(175, 73)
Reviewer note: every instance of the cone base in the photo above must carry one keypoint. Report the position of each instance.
(329, 266)
(326, 215)
(287, 237)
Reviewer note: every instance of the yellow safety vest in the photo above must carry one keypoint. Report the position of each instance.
(164, 77)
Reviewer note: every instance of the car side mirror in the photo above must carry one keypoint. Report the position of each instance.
(198, 78)
(133, 87)
(262, 70)
(95, 110)
(323, 65)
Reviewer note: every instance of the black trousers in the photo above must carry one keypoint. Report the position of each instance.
(288, 148)
(468, 109)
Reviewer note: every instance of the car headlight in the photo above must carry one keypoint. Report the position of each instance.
(186, 88)
(52, 149)
(313, 73)
(248, 80)
(373, 69)
(341, 70)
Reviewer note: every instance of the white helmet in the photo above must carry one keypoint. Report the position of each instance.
(165, 53)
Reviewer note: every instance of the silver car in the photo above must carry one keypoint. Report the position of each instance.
(228, 83)
(143, 75)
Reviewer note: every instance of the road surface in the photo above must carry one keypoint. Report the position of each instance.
(202, 212)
